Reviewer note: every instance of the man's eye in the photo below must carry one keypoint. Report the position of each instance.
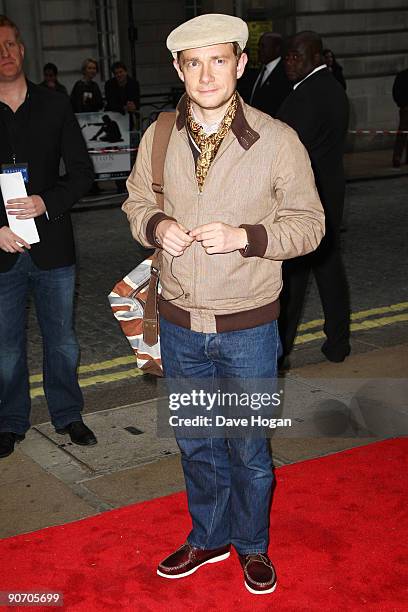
(193, 64)
(219, 61)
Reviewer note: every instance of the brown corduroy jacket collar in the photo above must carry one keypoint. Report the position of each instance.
(243, 132)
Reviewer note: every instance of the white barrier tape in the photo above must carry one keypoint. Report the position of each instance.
(103, 151)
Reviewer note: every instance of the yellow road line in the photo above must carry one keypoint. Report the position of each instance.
(93, 380)
(94, 367)
(368, 324)
(118, 361)
(301, 339)
(355, 316)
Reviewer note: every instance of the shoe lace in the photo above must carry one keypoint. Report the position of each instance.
(186, 546)
(263, 558)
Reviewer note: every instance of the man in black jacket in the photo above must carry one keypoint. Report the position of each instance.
(272, 85)
(122, 93)
(318, 110)
(37, 129)
(400, 95)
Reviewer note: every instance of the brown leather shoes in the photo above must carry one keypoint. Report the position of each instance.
(187, 559)
(259, 573)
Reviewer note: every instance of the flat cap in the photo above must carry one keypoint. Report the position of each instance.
(207, 30)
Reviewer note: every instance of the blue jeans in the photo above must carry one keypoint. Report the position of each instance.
(228, 482)
(53, 292)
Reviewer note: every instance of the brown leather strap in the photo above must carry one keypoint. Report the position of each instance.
(151, 316)
(162, 133)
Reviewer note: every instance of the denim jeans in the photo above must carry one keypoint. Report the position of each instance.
(53, 292)
(228, 482)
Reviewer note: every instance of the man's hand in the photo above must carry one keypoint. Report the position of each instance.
(26, 208)
(173, 237)
(220, 238)
(10, 242)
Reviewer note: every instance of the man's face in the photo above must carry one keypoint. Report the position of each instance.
(299, 61)
(120, 75)
(50, 77)
(210, 74)
(268, 49)
(11, 55)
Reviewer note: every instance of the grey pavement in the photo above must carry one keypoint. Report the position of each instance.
(50, 481)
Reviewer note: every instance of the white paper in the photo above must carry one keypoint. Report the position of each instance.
(12, 186)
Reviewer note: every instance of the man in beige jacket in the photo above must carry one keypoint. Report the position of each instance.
(239, 198)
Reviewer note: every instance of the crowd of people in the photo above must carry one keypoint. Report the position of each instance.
(122, 93)
(248, 201)
(265, 89)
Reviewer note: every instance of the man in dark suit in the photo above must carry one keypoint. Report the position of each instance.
(37, 129)
(318, 110)
(272, 85)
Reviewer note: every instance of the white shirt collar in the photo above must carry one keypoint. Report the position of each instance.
(310, 74)
(269, 67)
(209, 128)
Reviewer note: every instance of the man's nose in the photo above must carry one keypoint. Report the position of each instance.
(4, 51)
(206, 74)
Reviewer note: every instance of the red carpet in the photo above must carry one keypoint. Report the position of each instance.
(338, 540)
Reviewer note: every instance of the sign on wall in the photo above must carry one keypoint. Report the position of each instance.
(107, 132)
(256, 29)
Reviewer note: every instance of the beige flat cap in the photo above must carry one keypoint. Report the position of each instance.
(206, 30)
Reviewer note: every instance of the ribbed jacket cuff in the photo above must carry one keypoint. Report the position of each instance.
(257, 241)
(152, 225)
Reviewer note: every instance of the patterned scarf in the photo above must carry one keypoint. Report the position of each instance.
(209, 145)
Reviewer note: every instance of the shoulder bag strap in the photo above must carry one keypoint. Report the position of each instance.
(162, 133)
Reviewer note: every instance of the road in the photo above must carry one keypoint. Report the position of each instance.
(375, 253)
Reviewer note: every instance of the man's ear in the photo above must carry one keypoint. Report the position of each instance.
(178, 70)
(241, 65)
(22, 49)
